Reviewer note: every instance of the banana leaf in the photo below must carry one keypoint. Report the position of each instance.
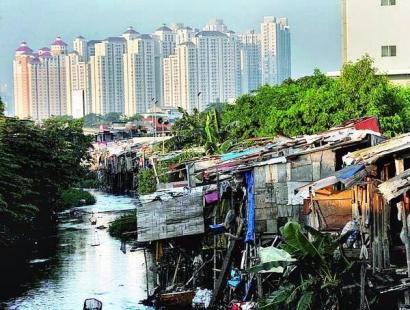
(272, 260)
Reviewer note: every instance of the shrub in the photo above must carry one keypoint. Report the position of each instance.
(124, 223)
(74, 198)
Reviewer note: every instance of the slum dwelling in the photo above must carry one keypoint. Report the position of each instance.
(370, 196)
(207, 235)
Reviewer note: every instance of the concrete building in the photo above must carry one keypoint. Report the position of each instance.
(185, 34)
(250, 61)
(181, 77)
(380, 29)
(78, 85)
(275, 50)
(187, 55)
(216, 24)
(218, 67)
(139, 75)
(91, 48)
(80, 46)
(21, 81)
(171, 81)
(107, 76)
(165, 43)
(130, 34)
(47, 81)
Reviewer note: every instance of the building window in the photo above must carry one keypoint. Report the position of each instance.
(388, 2)
(388, 50)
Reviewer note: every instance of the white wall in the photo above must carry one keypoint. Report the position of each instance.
(369, 26)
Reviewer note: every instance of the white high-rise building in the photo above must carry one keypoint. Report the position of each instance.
(80, 46)
(383, 35)
(130, 34)
(187, 55)
(275, 50)
(139, 75)
(164, 47)
(171, 82)
(107, 76)
(181, 77)
(78, 85)
(216, 24)
(218, 67)
(185, 34)
(250, 61)
(47, 76)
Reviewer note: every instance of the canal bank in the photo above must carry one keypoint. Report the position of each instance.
(61, 274)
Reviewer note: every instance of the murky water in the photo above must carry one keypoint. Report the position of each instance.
(76, 270)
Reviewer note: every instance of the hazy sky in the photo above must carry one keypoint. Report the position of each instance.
(315, 24)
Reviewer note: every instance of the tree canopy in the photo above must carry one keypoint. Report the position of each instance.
(305, 106)
(37, 163)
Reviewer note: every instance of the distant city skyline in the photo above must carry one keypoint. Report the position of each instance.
(315, 25)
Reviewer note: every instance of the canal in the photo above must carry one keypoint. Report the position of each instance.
(62, 274)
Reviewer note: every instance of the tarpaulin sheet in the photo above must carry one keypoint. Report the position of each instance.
(251, 207)
(348, 172)
(233, 155)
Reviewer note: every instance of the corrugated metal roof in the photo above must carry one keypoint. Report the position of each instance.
(395, 186)
(371, 154)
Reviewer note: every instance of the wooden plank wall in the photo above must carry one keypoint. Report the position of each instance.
(181, 216)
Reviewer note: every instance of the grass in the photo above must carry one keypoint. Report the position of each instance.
(124, 223)
(75, 197)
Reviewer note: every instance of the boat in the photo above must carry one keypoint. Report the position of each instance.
(177, 299)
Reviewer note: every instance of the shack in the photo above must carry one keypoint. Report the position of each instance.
(247, 195)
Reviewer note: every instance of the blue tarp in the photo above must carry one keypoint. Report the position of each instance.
(234, 155)
(348, 172)
(251, 207)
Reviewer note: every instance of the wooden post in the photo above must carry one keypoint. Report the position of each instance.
(225, 267)
(176, 270)
(215, 243)
(146, 272)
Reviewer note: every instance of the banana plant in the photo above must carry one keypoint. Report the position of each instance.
(312, 277)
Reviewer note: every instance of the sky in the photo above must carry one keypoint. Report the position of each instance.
(315, 25)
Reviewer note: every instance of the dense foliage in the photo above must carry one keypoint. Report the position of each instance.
(37, 163)
(94, 120)
(75, 197)
(124, 223)
(308, 105)
(313, 278)
(146, 181)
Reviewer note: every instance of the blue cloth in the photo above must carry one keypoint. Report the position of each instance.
(235, 279)
(348, 172)
(251, 207)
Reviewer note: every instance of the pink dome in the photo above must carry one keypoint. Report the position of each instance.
(58, 41)
(23, 48)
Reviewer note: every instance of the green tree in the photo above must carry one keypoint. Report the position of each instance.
(92, 120)
(112, 117)
(37, 163)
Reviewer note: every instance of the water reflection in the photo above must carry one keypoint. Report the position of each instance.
(77, 270)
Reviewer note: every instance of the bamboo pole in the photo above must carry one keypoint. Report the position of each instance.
(146, 272)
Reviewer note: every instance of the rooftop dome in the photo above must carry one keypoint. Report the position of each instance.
(130, 30)
(80, 37)
(23, 48)
(164, 28)
(58, 41)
